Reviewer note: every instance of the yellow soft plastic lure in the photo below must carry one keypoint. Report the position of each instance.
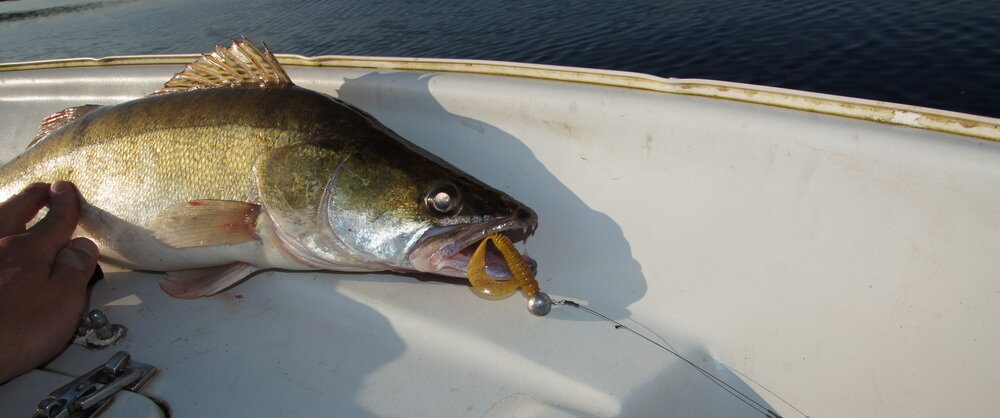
(538, 302)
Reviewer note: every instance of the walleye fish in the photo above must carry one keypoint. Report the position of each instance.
(230, 169)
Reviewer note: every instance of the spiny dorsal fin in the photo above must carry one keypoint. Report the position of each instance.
(59, 119)
(241, 65)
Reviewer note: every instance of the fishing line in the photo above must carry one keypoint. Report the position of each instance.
(771, 392)
(718, 382)
(539, 302)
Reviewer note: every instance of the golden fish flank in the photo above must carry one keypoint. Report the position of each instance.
(231, 168)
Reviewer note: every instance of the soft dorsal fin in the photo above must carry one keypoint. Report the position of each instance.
(59, 119)
(241, 65)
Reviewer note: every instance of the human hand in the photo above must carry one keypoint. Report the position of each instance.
(43, 276)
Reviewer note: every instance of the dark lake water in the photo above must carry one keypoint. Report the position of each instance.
(941, 54)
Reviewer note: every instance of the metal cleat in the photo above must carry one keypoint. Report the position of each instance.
(87, 395)
(97, 333)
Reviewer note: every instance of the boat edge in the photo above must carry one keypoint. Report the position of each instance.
(877, 111)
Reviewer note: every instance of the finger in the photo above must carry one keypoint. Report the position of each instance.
(21, 208)
(55, 229)
(74, 264)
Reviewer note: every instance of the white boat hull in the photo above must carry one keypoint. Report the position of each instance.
(821, 264)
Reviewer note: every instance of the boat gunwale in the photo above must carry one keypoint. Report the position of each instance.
(877, 111)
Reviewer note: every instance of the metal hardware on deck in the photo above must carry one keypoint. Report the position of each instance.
(88, 394)
(96, 332)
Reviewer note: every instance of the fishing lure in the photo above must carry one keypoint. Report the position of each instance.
(539, 303)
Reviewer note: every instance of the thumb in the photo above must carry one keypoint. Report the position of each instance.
(74, 265)
(57, 226)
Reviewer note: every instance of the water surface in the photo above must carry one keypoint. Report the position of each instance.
(941, 54)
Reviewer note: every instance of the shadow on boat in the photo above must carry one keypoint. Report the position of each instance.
(582, 253)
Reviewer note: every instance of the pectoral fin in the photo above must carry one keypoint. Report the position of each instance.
(200, 223)
(196, 283)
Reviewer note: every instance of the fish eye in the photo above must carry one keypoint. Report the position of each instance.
(442, 199)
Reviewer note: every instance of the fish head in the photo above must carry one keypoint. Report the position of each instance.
(447, 246)
(357, 196)
(411, 212)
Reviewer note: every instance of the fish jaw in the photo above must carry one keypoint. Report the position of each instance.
(446, 250)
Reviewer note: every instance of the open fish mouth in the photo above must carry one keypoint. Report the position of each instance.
(446, 250)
